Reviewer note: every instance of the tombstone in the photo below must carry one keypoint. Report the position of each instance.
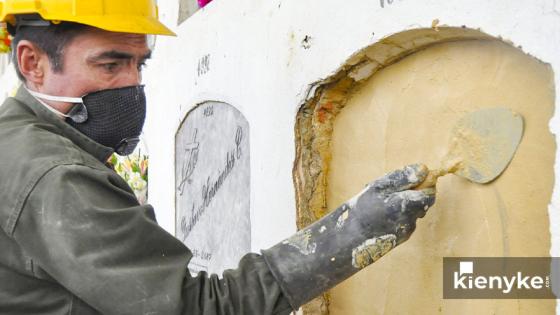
(212, 159)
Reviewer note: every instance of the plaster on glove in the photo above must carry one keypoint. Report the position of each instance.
(351, 237)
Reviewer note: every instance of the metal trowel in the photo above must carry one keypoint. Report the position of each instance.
(482, 144)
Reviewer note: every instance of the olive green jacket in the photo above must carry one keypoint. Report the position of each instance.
(74, 240)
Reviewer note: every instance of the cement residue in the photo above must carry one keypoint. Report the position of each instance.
(409, 196)
(410, 173)
(372, 249)
(342, 219)
(302, 242)
(472, 149)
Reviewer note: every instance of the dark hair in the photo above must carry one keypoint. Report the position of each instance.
(50, 39)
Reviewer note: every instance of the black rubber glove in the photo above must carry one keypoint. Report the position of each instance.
(351, 237)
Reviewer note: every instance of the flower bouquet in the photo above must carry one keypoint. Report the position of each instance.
(5, 39)
(134, 170)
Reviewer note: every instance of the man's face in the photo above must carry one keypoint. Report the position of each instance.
(97, 60)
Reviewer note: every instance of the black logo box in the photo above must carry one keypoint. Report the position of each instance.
(524, 268)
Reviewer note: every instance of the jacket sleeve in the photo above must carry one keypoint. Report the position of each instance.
(84, 229)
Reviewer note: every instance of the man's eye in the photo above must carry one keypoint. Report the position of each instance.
(110, 67)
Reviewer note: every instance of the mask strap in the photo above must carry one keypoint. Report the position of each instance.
(42, 96)
(78, 113)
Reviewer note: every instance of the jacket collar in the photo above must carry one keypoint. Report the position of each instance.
(100, 152)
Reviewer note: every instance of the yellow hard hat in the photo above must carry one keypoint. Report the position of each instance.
(126, 16)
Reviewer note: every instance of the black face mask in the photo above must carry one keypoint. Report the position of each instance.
(113, 118)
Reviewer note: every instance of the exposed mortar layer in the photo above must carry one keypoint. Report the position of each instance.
(326, 98)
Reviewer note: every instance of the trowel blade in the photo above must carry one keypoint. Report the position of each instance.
(485, 142)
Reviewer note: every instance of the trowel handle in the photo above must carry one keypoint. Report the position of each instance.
(431, 179)
(451, 166)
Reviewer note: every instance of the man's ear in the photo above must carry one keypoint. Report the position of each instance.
(32, 62)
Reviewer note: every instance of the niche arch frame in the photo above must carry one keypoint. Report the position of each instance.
(325, 100)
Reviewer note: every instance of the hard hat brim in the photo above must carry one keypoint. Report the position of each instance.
(128, 24)
(123, 23)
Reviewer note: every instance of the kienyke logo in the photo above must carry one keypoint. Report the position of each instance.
(466, 279)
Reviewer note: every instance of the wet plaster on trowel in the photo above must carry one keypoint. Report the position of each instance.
(405, 114)
(481, 145)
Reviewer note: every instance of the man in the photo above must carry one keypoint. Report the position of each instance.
(74, 239)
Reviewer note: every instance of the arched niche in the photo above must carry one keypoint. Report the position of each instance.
(212, 177)
(395, 103)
